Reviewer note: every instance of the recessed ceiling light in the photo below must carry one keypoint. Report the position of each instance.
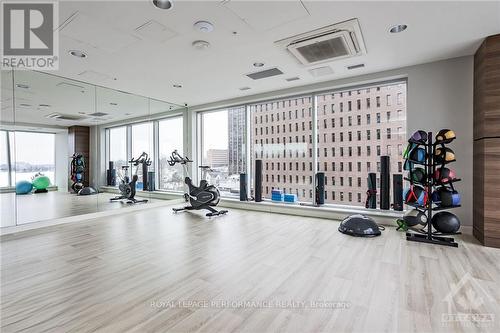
(81, 112)
(163, 4)
(44, 105)
(24, 104)
(204, 26)
(245, 88)
(295, 78)
(22, 86)
(128, 114)
(177, 85)
(201, 44)
(398, 28)
(78, 53)
(258, 64)
(113, 103)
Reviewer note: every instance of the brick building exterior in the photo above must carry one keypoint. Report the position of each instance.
(355, 127)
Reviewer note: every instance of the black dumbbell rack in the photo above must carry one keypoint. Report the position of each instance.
(427, 235)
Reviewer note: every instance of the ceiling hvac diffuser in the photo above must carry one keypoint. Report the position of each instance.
(333, 42)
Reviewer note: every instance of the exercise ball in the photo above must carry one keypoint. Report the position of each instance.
(41, 182)
(23, 187)
(446, 222)
(359, 225)
(415, 219)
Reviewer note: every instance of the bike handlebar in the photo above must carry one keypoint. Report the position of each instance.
(175, 158)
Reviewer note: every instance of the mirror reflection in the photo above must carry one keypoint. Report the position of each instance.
(69, 148)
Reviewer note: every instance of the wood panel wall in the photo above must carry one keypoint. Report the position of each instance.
(486, 188)
(79, 142)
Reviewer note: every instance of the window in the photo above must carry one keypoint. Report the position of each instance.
(223, 146)
(4, 160)
(170, 138)
(292, 149)
(31, 159)
(142, 142)
(118, 146)
(350, 157)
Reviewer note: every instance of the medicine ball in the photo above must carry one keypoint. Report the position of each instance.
(418, 155)
(415, 194)
(446, 197)
(418, 175)
(444, 175)
(446, 222)
(419, 136)
(444, 155)
(415, 219)
(445, 136)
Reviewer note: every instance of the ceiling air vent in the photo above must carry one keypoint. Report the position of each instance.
(295, 78)
(59, 116)
(333, 42)
(356, 66)
(98, 114)
(321, 71)
(265, 73)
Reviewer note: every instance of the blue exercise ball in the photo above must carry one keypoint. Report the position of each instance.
(23, 187)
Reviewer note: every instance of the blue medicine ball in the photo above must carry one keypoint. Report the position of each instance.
(23, 187)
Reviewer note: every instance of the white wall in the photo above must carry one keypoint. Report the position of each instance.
(62, 160)
(440, 95)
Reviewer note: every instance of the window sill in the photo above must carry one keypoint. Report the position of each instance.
(12, 189)
(332, 212)
(335, 212)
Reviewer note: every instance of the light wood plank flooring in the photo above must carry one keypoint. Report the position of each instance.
(29, 208)
(138, 272)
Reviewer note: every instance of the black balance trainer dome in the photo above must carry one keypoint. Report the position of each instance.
(359, 225)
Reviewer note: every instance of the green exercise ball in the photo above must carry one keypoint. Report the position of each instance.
(41, 182)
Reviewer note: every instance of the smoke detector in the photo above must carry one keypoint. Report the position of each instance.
(204, 26)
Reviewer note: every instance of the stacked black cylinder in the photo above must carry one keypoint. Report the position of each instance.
(431, 189)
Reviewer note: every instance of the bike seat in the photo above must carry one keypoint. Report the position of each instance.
(203, 184)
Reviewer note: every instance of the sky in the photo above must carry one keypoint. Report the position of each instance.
(35, 148)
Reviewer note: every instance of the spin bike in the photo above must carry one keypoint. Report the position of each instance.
(127, 187)
(204, 196)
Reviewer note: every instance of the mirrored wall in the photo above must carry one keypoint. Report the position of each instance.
(53, 162)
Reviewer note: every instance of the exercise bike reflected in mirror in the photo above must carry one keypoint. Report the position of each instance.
(127, 186)
(204, 196)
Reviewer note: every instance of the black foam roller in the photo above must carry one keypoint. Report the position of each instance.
(243, 187)
(320, 188)
(384, 182)
(258, 181)
(397, 189)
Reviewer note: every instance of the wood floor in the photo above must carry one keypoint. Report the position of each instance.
(154, 271)
(29, 208)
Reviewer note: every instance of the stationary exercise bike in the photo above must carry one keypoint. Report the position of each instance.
(127, 187)
(204, 196)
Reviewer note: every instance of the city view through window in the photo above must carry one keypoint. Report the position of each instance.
(354, 128)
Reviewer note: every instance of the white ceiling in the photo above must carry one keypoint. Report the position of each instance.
(38, 95)
(149, 61)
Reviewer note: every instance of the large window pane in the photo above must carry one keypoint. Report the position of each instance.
(170, 133)
(355, 128)
(281, 136)
(4, 160)
(118, 146)
(223, 147)
(31, 158)
(142, 141)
